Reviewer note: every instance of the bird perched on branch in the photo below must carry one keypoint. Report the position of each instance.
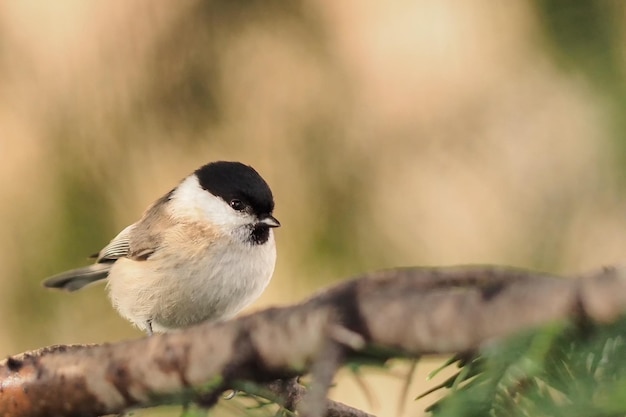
(203, 251)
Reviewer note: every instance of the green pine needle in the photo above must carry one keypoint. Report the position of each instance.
(559, 370)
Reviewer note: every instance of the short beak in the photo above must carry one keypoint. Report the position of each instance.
(269, 221)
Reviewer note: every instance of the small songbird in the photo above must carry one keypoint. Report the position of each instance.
(203, 251)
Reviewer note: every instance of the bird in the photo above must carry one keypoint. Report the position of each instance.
(202, 252)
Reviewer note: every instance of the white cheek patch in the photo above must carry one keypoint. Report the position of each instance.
(191, 201)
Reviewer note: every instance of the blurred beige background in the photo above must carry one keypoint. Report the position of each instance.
(392, 133)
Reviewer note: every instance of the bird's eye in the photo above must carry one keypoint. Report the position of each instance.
(237, 205)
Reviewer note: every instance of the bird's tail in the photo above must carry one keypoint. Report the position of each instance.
(76, 279)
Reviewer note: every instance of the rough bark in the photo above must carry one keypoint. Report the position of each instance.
(409, 312)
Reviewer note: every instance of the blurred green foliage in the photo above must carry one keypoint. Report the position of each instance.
(587, 37)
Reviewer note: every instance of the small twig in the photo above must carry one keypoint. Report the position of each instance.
(404, 394)
(372, 401)
(322, 372)
(292, 393)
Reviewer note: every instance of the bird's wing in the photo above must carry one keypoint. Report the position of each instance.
(130, 243)
(141, 239)
(117, 248)
(148, 236)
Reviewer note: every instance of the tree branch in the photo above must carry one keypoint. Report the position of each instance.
(413, 311)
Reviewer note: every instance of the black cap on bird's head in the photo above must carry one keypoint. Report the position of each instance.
(240, 186)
